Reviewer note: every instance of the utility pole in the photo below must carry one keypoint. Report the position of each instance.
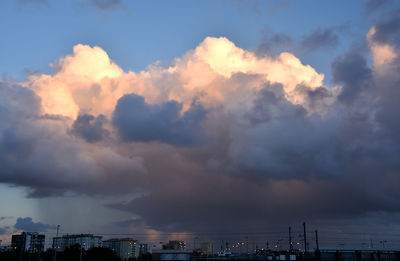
(305, 237)
(316, 239)
(290, 240)
(80, 252)
(21, 252)
(54, 250)
(194, 242)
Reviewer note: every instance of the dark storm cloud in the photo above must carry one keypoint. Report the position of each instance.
(105, 5)
(388, 104)
(320, 38)
(27, 224)
(352, 72)
(27, 139)
(89, 128)
(388, 32)
(138, 121)
(388, 28)
(375, 5)
(210, 202)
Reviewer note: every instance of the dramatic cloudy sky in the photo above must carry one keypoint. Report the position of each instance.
(176, 119)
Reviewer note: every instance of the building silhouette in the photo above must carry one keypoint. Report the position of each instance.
(28, 241)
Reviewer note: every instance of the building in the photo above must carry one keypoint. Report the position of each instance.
(87, 241)
(176, 255)
(124, 248)
(174, 245)
(206, 248)
(143, 249)
(28, 241)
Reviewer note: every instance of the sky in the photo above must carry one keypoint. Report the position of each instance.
(208, 120)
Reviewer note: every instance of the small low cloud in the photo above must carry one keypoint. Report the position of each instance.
(89, 128)
(106, 5)
(37, 2)
(274, 43)
(137, 120)
(274, 9)
(27, 224)
(320, 38)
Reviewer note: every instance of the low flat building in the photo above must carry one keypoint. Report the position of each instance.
(28, 241)
(172, 254)
(87, 241)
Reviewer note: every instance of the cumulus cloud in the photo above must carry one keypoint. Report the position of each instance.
(27, 224)
(89, 82)
(249, 138)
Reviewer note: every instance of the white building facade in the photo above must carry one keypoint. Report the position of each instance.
(124, 248)
(87, 241)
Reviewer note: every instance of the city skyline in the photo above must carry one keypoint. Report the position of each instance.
(175, 120)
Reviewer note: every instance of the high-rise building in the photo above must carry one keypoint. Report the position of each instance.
(124, 248)
(28, 241)
(87, 241)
